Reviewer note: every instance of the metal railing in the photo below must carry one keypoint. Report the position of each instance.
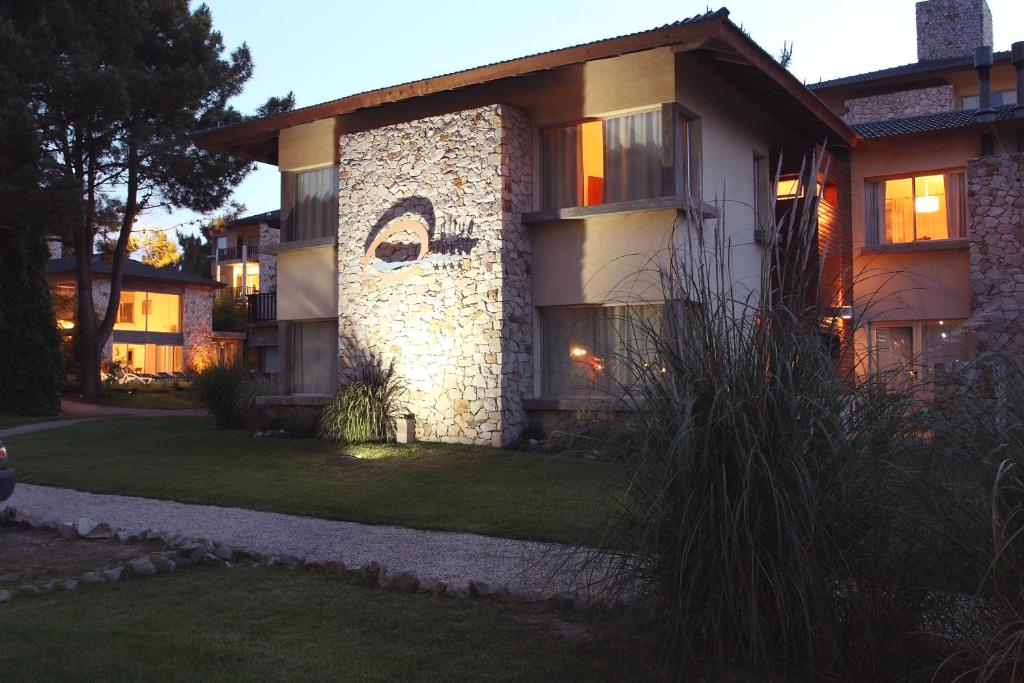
(243, 253)
(262, 307)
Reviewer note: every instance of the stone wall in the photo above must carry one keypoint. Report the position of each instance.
(196, 326)
(456, 318)
(268, 262)
(900, 104)
(995, 187)
(952, 28)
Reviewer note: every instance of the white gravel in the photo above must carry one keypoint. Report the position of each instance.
(455, 558)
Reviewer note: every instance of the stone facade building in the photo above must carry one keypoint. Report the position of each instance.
(164, 318)
(482, 232)
(937, 220)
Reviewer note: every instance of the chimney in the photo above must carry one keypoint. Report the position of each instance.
(1017, 57)
(952, 28)
(983, 63)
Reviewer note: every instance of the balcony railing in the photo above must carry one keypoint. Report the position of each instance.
(238, 292)
(262, 307)
(243, 253)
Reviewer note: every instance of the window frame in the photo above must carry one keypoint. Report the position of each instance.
(918, 362)
(289, 186)
(874, 234)
(541, 343)
(681, 154)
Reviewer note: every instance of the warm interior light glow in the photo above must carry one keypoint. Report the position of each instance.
(577, 352)
(926, 204)
(787, 188)
(592, 142)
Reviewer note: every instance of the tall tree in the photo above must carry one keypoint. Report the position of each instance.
(120, 86)
(29, 340)
(157, 250)
(195, 254)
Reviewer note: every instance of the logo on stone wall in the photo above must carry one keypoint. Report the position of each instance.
(405, 246)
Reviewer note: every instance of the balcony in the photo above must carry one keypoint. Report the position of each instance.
(238, 292)
(262, 307)
(242, 253)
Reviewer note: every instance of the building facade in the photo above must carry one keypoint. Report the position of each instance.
(936, 185)
(483, 231)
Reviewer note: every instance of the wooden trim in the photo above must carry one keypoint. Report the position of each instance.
(955, 244)
(634, 206)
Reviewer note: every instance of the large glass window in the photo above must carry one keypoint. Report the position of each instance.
(917, 354)
(591, 350)
(314, 350)
(309, 204)
(916, 208)
(598, 162)
(149, 359)
(149, 312)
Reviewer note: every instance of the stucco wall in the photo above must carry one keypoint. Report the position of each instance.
(900, 104)
(306, 284)
(996, 217)
(915, 285)
(307, 146)
(457, 324)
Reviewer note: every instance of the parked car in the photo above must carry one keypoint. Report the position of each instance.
(6, 474)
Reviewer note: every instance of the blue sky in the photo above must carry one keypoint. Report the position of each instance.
(325, 49)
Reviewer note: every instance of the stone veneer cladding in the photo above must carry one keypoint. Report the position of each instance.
(457, 325)
(900, 104)
(995, 190)
(268, 262)
(196, 327)
(952, 28)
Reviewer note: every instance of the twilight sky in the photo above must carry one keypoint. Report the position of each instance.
(325, 49)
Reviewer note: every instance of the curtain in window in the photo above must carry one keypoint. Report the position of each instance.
(632, 157)
(874, 212)
(561, 155)
(314, 352)
(309, 204)
(956, 207)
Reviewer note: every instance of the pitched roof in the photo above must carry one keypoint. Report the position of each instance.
(132, 269)
(271, 218)
(928, 123)
(694, 30)
(920, 68)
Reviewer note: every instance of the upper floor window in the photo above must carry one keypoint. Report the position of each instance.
(149, 312)
(309, 204)
(618, 159)
(999, 98)
(916, 208)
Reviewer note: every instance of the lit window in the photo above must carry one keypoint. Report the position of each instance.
(150, 359)
(149, 312)
(591, 350)
(615, 160)
(916, 208)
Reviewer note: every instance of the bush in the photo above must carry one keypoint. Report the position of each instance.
(229, 393)
(365, 409)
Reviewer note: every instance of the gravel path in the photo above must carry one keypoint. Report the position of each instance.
(455, 558)
(39, 426)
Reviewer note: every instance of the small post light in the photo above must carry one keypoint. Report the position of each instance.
(405, 428)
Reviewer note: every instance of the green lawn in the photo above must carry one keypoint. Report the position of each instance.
(152, 396)
(430, 486)
(247, 625)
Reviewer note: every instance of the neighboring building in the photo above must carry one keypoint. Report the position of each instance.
(163, 320)
(482, 229)
(938, 195)
(243, 258)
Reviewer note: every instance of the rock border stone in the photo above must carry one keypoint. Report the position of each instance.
(169, 552)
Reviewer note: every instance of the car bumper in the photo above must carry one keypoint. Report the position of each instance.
(6, 483)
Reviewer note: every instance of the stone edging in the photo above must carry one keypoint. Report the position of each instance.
(174, 551)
